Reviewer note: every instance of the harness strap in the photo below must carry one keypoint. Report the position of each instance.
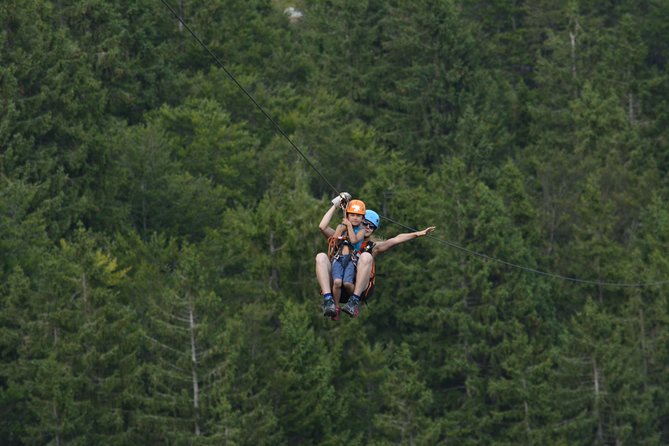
(335, 246)
(334, 251)
(370, 286)
(367, 246)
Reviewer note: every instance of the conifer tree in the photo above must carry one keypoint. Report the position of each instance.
(76, 366)
(647, 308)
(404, 417)
(481, 330)
(345, 37)
(599, 391)
(207, 144)
(302, 389)
(431, 59)
(181, 330)
(362, 370)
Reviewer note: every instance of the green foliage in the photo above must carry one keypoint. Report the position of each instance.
(404, 415)
(158, 232)
(434, 58)
(75, 366)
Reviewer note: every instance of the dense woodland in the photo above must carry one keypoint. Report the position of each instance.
(158, 232)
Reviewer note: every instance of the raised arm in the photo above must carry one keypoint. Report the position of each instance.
(386, 245)
(324, 225)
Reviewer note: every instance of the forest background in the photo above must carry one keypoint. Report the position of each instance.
(158, 234)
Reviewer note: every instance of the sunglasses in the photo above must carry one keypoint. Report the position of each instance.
(368, 224)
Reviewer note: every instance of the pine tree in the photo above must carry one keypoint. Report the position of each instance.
(600, 395)
(362, 370)
(207, 144)
(180, 332)
(345, 37)
(481, 331)
(430, 61)
(75, 366)
(160, 194)
(404, 417)
(648, 308)
(302, 383)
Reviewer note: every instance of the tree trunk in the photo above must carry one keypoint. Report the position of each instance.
(196, 385)
(597, 389)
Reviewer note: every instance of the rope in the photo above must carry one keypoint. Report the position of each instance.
(533, 270)
(444, 242)
(262, 110)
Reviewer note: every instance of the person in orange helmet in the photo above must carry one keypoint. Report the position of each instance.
(344, 242)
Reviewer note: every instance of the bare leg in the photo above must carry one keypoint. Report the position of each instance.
(336, 290)
(364, 270)
(324, 272)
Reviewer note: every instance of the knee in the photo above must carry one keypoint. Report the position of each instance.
(337, 283)
(365, 259)
(322, 258)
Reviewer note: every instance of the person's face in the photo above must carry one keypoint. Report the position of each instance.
(368, 227)
(355, 219)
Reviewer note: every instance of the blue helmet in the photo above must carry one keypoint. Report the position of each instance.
(373, 217)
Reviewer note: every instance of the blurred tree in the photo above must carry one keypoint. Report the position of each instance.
(598, 381)
(404, 417)
(302, 385)
(76, 364)
(428, 63)
(207, 144)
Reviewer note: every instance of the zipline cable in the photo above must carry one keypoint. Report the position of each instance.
(262, 110)
(444, 242)
(533, 270)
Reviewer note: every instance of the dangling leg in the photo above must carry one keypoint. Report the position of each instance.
(339, 268)
(336, 290)
(363, 273)
(324, 277)
(324, 273)
(349, 278)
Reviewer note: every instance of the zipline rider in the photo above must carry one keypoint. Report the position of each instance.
(364, 259)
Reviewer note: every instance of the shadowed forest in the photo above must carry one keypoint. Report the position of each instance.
(158, 231)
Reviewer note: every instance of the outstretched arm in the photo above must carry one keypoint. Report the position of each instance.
(400, 238)
(337, 202)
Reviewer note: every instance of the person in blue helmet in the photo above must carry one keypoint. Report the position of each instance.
(364, 260)
(364, 278)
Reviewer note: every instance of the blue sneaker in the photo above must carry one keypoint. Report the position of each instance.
(351, 307)
(329, 308)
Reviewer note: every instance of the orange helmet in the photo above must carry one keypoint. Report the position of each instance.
(356, 207)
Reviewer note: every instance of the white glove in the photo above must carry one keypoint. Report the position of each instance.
(343, 196)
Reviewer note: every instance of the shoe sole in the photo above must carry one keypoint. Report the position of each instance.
(329, 313)
(351, 314)
(336, 316)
